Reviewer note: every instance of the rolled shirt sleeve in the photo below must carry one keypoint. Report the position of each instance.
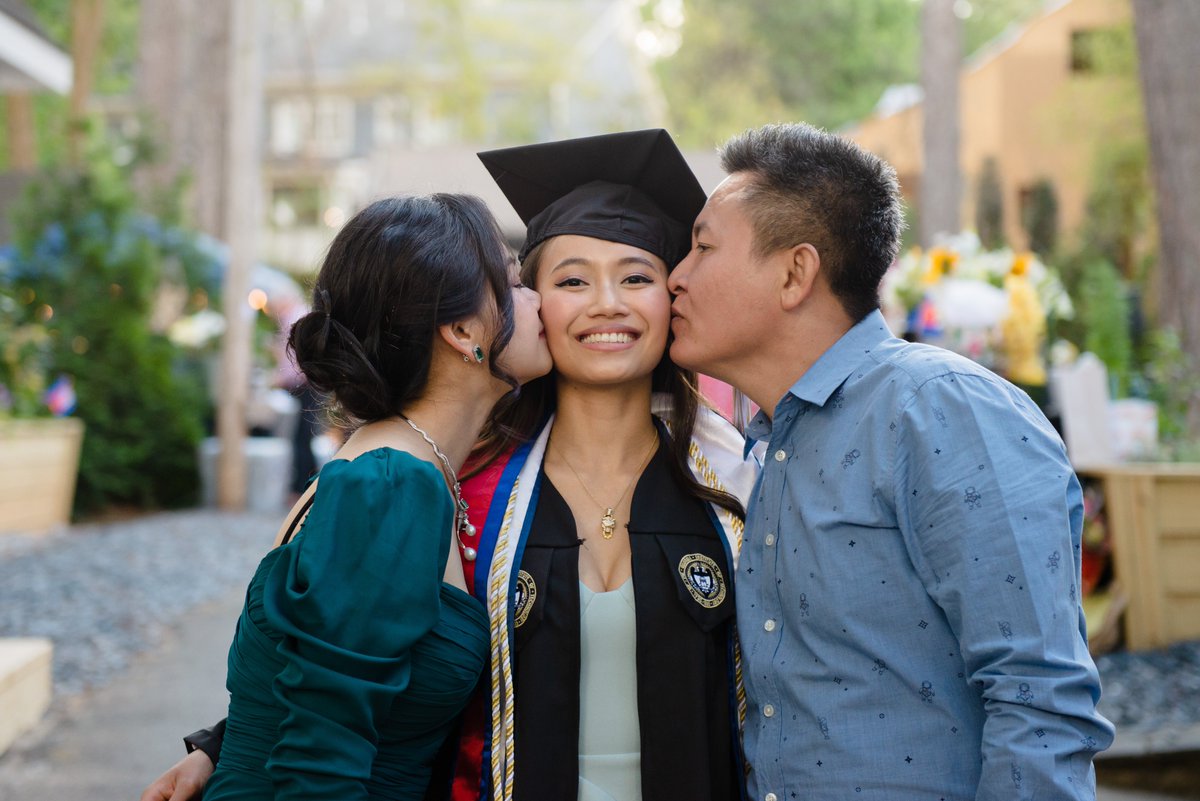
(991, 513)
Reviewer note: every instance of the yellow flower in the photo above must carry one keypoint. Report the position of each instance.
(1020, 264)
(942, 262)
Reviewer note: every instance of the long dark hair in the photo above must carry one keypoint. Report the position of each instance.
(396, 271)
(520, 419)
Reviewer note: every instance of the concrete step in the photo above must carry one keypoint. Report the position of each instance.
(25, 685)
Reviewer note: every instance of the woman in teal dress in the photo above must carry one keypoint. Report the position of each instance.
(358, 645)
(609, 519)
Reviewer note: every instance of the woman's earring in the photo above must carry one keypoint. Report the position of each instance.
(466, 358)
(478, 351)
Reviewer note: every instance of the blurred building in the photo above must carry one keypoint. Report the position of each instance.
(1036, 100)
(365, 98)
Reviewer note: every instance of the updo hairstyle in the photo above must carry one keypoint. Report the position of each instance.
(396, 271)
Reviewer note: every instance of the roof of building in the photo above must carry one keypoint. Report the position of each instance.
(29, 59)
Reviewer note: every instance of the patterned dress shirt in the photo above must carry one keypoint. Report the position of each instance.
(908, 590)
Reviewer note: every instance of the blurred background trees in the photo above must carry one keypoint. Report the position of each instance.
(1055, 130)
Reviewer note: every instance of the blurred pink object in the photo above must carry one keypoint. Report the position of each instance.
(721, 395)
(286, 312)
(60, 396)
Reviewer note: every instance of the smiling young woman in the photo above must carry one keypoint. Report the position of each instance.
(606, 509)
(610, 505)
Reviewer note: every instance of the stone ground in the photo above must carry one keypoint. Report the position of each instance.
(142, 610)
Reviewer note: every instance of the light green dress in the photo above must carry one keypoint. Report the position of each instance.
(610, 748)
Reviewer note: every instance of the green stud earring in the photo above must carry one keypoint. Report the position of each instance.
(478, 351)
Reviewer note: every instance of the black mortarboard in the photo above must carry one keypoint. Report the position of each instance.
(632, 187)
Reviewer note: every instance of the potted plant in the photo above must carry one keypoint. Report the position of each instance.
(39, 444)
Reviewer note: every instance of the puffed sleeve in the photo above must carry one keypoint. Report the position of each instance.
(351, 596)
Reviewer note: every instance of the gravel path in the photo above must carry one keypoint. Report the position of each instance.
(1154, 699)
(103, 592)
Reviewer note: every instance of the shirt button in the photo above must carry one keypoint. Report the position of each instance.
(770, 797)
(769, 540)
(769, 625)
(768, 711)
(780, 455)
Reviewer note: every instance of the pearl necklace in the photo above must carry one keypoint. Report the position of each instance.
(461, 524)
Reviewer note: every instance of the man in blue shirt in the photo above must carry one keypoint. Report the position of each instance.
(908, 589)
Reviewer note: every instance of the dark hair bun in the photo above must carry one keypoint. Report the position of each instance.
(396, 271)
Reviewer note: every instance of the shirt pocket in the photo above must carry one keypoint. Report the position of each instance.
(699, 572)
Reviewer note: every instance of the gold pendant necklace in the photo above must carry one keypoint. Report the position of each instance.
(608, 522)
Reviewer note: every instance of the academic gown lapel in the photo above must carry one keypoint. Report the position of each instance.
(684, 603)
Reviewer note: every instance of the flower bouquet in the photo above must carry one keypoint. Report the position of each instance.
(990, 306)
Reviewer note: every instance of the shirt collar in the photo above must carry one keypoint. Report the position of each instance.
(830, 371)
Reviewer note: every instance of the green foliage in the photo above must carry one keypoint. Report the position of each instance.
(94, 267)
(989, 18)
(989, 207)
(1174, 380)
(822, 61)
(115, 65)
(1105, 314)
(1040, 218)
(24, 360)
(1119, 203)
(1118, 219)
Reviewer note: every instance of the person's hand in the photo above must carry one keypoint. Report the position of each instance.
(184, 781)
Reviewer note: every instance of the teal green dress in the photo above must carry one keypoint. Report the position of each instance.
(352, 659)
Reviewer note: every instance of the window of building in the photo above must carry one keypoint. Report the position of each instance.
(1097, 49)
(296, 205)
(333, 127)
(391, 122)
(291, 122)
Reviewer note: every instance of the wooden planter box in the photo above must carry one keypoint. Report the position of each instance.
(39, 461)
(1153, 515)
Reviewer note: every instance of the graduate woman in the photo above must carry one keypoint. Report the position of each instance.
(606, 512)
(358, 645)
(608, 529)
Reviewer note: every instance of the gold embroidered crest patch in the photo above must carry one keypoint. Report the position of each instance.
(703, 579)
(524, 598)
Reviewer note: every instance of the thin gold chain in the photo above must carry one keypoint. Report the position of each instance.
(608, 521)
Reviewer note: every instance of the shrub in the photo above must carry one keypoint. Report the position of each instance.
(989, 207)
(102, 276)
(1105, 315)
(1040, 218)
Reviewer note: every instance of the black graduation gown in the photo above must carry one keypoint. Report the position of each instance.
(684, 631)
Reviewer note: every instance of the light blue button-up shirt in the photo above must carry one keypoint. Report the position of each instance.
(908, 589)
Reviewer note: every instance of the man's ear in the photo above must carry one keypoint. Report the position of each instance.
(462, 335)
(802, 265)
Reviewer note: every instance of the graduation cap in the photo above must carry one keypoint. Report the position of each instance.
(632, 187)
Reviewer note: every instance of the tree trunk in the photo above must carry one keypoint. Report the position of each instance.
(941, 58)
(243, 183)
(1169, 59)
(87, 29)
(22, 139)
(183, 68)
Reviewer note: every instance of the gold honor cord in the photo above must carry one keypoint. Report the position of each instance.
(738, 526)
(502, 684)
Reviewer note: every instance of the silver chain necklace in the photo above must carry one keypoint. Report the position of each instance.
(461, 524)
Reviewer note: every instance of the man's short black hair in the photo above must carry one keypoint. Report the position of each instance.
(811, 186)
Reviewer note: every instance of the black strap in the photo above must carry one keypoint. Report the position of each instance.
(296, 520)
